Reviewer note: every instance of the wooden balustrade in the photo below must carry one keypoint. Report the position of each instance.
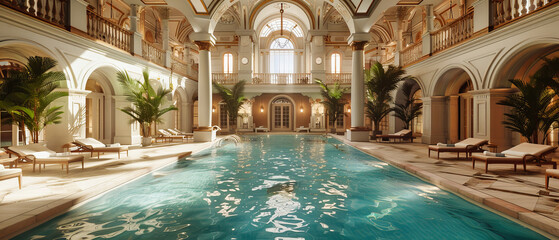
(152, 53)
(411, 53)
(504, 11)
(102, 29)
(282, 78)
(341, 78)
(453, 33)
(225, 78)
(55, 12)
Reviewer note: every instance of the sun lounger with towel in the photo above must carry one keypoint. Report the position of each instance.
(519, 154)
(10, 173)
(93, 145)
(40, 154)
(467, 146)
(402, 135)
(167, 136)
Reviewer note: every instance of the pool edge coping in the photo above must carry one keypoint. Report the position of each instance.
(503, 207)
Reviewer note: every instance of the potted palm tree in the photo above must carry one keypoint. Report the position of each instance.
(409, 109)
(27, 95)
(531, 110)
(146, 103)
(333, 101)
(233, 99)
(379, 84)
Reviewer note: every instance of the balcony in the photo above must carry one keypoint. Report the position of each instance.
(411, 53)
(453, 33)
(152, 53)
(55, 12)
(102, 29)
(281, 78)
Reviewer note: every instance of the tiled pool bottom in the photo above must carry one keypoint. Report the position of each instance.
(280, 187)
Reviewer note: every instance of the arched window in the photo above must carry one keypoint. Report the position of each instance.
(335, 62)
(228, 63)
(281, 56)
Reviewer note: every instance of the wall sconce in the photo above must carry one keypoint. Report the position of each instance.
(213, 108)
(261, 108)
(301, 109)
(349, 110)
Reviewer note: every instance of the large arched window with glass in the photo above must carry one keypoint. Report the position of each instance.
(335, 63)
(228, 63)
(281, 56)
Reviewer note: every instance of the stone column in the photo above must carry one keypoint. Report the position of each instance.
(72, 123)
(136, 40)
(482, 16)
(426, 38)
(189, 117)
(125, 133)
(165, 34)
(317, 54)
(435, 120)
(488, 117)
(78, 15)
(358, 131)
(246, 47)
(204, 133)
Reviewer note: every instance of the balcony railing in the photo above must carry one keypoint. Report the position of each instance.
(341, 78)
(180, 67)
(453, 33)
(504, 11)
(100, 28)
(152, 53)
(411, 53)
(282, 78)
(55, 12)
(225, 78)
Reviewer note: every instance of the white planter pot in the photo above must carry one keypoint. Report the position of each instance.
(146, 141)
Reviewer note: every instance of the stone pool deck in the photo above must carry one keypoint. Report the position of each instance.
(44, 195)
(520, 195)
(52, 192)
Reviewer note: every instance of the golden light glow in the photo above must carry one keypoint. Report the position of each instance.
(301, 109)
(213, 108)
(261, 108)
(349, 110)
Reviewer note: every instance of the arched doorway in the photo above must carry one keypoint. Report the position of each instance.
(99, 108)
(460, 108)
(457, 111)
(282, 114)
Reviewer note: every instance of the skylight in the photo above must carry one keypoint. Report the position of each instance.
(288, 26)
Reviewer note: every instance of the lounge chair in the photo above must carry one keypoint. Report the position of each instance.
(92, 145)
(402, 135)
(302, 128)
(550, 173)
(467, 146)
(261, 128)
(12, 161)
(10, 173)
(518, 154)
(40, 154)
(179, 133)
(167, 136)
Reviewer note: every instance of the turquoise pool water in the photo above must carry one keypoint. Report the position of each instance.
(281, 187)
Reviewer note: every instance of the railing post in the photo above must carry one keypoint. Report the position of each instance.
(136, 38)
(77, 15)
(482, 15)
(426, 38)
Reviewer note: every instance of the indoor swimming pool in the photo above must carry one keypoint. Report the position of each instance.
(282, 187)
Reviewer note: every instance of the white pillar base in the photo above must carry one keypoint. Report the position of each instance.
(129, 140)
(204, 136)
(357, 135)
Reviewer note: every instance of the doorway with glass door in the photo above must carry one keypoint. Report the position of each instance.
(282, 114)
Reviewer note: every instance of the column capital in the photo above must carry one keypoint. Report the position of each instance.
(204, 45)
(358, 45)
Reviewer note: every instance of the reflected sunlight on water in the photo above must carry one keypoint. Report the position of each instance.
(283, 187)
